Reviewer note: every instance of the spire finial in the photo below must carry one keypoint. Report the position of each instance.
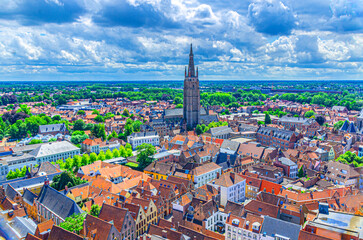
(191, 49)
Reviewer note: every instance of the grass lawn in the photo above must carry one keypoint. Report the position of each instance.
(131, 164)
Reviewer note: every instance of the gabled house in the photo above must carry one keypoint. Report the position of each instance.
(122, 220)
(54, 205)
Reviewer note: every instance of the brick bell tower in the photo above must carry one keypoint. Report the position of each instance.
(191, 106)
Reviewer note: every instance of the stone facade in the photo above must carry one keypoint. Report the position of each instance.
(191, 108)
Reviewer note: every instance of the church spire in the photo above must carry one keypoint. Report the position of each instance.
(191, 70)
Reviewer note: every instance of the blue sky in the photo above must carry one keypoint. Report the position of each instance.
(149, 39)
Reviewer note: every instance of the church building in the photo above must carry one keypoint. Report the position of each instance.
(192, 113)
(191, 105)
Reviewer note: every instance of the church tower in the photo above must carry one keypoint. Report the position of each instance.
(191, 105)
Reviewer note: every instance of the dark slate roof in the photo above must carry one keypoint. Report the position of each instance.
(351, 128)
(176, 112)
(60, 127)
(220, 130)
(208, 118)
(345, 126)
(277, 133)
(29, 196)
(222, 160)
(272, 226)
(10, 192)
(26, 182)
(60, 204)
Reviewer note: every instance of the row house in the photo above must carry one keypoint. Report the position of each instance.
(279, 138)
(121, 219)
(269, 173)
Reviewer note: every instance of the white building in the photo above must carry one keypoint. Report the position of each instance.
(136, 139)
(47, 152)
(205, 173)
(53, 151)
(231, 187)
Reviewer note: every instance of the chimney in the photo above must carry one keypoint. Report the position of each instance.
(217, 174)
(247, 224)
(273, 191)
(164, 234)
(66, 188)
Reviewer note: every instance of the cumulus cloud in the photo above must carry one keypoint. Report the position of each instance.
(149, 39)
(272, 17)
(35, 12)
(125, 13)
(346, 15)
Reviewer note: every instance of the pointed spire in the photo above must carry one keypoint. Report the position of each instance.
(191, 69)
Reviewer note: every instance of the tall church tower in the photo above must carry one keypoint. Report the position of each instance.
(191, 105)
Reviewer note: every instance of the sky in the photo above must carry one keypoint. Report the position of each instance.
(150, 39)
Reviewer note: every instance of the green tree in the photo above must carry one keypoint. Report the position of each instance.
(81, 112)
(122, 151)
(349, 158)
(79, 125)
(320, 119)
(35, 141)
(93, 157)
(128, 146)
(338, 125)
(112, 135)
(116, 153)
(56, 118)
(267, 118)
(68, 164)
(74, 223)
(199, 129)
(99, 118)
(77, 139)
(95, 210)
(180, 105)
(95, 112)
(145, 151)
(99, 131)
(85, 159)
(109, 154)
(301, 173)
(66, 178)
(178, 100)
(24, 108)
(126, 113)
(309, 114)
(101, 156)
(136, 126)
(77, 161)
